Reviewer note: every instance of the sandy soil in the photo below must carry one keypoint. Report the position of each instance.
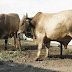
(16, 61)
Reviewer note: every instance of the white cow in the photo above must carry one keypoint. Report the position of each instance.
(50, 27)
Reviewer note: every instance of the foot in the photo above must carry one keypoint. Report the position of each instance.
(46, 56)
(38, 59)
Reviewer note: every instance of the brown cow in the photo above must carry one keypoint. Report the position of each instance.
(9, 25)
(50, 27)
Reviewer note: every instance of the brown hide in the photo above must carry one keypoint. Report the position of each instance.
(9, 25)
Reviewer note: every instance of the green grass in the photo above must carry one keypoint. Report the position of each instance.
(69, 52)
(10, 54)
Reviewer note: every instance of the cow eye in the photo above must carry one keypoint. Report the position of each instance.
(22, 23)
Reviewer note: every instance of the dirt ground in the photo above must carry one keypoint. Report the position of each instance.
(13, 60)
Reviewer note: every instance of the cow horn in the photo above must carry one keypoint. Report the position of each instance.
(26, 15)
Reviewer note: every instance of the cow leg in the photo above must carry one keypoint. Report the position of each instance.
(19, 43)
(40, 42)
(47, 49)
(61, 49)
(6, 40)
(15, 40)
(14, 44)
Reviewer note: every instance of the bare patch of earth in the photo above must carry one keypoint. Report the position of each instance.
(16, 61)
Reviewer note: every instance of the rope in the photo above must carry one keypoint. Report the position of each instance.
(7, 39)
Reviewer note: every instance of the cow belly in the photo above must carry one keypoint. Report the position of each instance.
(3, 35)
(54, 34)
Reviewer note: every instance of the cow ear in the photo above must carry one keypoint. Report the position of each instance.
(29, 19)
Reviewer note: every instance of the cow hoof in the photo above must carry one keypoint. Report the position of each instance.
(5, 48)
(46, 56)
(38, 59)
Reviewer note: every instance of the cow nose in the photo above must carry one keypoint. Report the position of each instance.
(29, 34)
(18, 33)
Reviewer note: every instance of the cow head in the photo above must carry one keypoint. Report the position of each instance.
(29, 27)
(25, 26)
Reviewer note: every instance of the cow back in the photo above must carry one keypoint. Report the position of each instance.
(14, 23)
(9, 23)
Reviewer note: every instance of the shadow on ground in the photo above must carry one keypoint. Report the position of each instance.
(60, 57)
(7, 66)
